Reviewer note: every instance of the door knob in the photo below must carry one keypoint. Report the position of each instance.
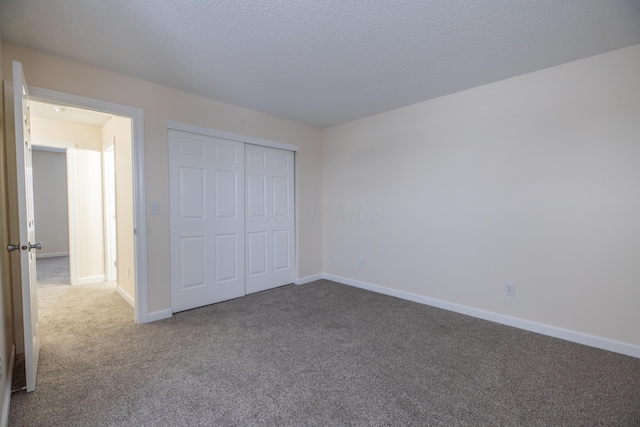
(35, 245)
(11, 248)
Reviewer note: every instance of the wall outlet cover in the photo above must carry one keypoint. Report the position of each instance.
(510, 289)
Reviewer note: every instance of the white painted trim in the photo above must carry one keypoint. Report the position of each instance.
(91, 279)
(308, 279)
(52, 255)
(185, 127)
(552, 331)
(72, 200)
(72, 212)
(109, 207)
(137, 130)
(159, 315)
(128, 298)
(6, 405)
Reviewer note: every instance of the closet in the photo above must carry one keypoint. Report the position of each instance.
(231, 218)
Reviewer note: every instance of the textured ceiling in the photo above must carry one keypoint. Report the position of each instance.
(322, 62)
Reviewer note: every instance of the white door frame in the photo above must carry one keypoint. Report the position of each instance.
(141, 310)
(72, 200)
(108, 184)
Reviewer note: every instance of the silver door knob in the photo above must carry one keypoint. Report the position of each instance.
(35, 245)
(11, 248)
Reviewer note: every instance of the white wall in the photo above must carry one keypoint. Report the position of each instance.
(88, 141)
(50, 201)
(120, 129)
(532, 180)
(91, 266)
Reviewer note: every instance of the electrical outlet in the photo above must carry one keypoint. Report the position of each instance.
(330, 258)
(361, 262)
(510, 289)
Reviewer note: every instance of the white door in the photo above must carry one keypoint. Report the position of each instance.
(207, 219)
(26, 222)
(270, 217)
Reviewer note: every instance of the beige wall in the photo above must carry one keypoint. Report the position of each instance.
(6, 324)
(120, 129)
(88, 140)
(161, 104)
(50, 201)
(532, 180)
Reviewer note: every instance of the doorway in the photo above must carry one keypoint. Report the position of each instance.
(97, 145)
(51, 215)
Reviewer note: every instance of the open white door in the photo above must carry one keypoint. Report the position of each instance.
(27, 243)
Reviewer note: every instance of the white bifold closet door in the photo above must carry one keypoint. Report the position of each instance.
(232, 219)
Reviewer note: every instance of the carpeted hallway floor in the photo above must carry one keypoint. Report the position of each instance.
(53, 271)
(322, 354)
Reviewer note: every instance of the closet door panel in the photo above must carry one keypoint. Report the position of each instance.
(207, 219)
(270, 215)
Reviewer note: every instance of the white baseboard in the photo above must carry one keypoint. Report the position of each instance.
(308, 279)
(91, 279)
(6, 405)
(158, 315)
(552, 331)
(128, 298)
(51, 255)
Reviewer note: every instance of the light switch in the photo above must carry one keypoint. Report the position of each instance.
(155, 208)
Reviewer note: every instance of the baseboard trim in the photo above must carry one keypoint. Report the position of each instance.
(158, 315)
(128, 298)
(52, 255)
(6, 405)
(308, 279)
(552, 331)
(91, 279)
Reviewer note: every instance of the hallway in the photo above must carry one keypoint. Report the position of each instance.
(53, 272)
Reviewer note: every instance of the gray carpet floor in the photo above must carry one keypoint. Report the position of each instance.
(53, 271)
(322, 354)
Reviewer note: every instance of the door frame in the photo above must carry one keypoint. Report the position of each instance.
(72, 199)
(109, 205)
(141, 310)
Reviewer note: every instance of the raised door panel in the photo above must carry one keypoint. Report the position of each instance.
(256, 196)
(193, 255)
(226, 258)
(192, 193)
(256, 253)
(281, 255)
